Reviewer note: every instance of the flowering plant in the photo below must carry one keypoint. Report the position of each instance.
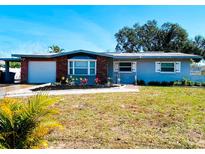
(109, 81)
(97, 81)
(63, 80)
(84, 81)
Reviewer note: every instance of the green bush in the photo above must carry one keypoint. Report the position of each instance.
(25, 124)
(165, 83)
(141, 82)
(177, 83)
(15, 64)
(198, 84)
(188, 83)
(154, 83)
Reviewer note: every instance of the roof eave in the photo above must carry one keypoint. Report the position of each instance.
(158, 57)
(62, 54)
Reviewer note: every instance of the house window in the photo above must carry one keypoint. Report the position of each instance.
(167, 67)
(82, 67)
(196, 69)
(92, 68)
(125, 66)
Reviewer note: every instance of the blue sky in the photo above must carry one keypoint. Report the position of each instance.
(31, 29)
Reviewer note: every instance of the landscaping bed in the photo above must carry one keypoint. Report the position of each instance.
(65, 86)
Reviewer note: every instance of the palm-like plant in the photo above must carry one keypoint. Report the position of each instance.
(25, 124)
(55, 49)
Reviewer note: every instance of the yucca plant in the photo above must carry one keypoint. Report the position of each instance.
(24, 123)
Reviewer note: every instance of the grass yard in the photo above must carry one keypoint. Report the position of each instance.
(156, 117)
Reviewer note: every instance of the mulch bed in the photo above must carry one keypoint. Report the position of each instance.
(64, 87)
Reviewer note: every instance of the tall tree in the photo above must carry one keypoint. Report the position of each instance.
(173, 37)
(199, 42)
(169, 37)
(148, 35)
(127, 41)
(55, 49)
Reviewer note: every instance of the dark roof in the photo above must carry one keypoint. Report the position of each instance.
(116, 55)
(53, 55)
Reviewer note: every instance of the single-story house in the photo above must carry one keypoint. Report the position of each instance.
(125, 68)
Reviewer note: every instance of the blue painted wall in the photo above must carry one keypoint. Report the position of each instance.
(146, 72)
(125, 78)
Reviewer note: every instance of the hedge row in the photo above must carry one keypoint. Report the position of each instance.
(171, 83)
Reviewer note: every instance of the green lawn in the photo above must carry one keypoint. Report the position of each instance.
(156, 117)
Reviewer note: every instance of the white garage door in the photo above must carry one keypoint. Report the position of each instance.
(41, 72)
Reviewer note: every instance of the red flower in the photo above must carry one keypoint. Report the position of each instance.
(84, 81)
(97, 80)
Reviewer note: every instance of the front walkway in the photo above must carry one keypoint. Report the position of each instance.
(28, 91)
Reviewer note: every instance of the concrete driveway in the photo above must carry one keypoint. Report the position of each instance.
(28, 91)
(6, 88)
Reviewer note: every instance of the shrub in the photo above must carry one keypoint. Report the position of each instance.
(109, 81)
(192, 83)
(63, 80)
(141, 82)
(171, 83)
(71, 80)
(197, 84)
(164, 83)
(184, 82)
(25, 124)
(154, 83)
(188, 83)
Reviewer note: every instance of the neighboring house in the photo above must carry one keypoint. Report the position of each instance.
(125, 68)
(1, 63)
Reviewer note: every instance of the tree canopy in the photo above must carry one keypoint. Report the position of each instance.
(55, 49)
(169, 37)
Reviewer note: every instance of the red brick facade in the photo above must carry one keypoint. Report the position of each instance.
(61, 67)
(24, 70)
(102, 68)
